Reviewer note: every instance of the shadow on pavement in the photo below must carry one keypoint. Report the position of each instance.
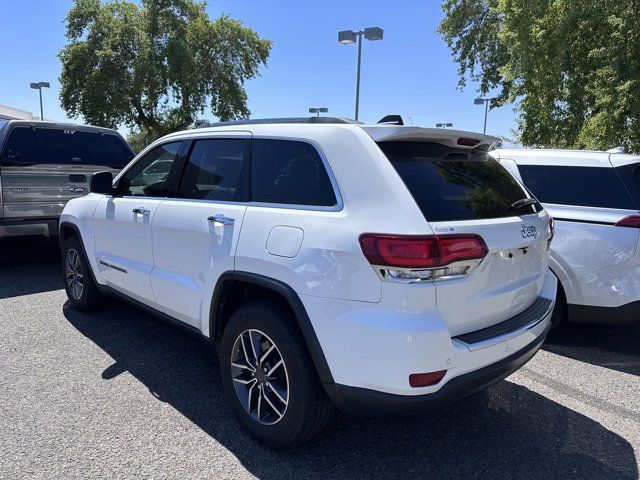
(611, 346)
(506, 431)
(29, 265)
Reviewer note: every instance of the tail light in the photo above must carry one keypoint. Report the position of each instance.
(409, 258)
(632, 221)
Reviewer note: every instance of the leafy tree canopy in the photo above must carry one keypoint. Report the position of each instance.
(572, 67)
(155, 65)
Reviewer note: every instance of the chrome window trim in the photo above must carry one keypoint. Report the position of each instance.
(203, 200)
(247, 134)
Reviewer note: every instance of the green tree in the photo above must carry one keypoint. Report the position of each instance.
(139, 139)
(156, 65)
(571, 67)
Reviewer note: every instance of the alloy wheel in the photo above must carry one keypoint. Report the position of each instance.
(260, 377)
(74, 274)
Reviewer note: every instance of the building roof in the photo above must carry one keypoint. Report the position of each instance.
(11, 113)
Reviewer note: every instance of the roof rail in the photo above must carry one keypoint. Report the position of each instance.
(258, 121)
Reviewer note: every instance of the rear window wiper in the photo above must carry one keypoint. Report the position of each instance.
(523, 202)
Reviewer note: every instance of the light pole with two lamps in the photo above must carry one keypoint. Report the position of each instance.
(318, 110)
(39, 86)
(347, 37)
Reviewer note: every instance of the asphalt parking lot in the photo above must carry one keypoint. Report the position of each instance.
(118, 394)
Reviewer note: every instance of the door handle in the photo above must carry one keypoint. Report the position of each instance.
(141, 211)
(221, 219)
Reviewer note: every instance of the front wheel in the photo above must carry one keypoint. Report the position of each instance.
(269, 379)
(81, 290)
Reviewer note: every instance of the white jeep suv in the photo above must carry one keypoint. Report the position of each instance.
(381, 269)
(594, 199)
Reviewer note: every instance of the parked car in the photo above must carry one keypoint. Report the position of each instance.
(386, 270)
(594, 199)
(45, 164)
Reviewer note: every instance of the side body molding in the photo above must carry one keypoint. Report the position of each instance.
(295, 303)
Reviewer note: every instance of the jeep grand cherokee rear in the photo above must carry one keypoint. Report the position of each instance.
(385, 270)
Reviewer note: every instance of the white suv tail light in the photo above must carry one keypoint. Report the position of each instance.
(632, 221)
(410, 258)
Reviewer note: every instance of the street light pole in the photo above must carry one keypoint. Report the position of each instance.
(348, 37)
(39, 86)
(480, 101)
(41, 109)
(486, 111)
(358, 74)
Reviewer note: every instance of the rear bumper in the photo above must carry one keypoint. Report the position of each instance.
(364, 402)
(627, 314)
(377, 347)
(46, 227)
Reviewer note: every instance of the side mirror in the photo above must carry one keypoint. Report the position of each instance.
(102, 182)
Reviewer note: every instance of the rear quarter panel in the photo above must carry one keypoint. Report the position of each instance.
(330, 262)
(596, 262)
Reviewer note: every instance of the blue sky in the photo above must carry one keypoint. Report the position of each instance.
(410, 72)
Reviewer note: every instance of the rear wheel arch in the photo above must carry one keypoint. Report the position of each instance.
(235, 289)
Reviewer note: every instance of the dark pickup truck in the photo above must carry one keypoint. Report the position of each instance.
(43, 165)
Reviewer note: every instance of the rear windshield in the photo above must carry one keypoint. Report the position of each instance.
(27, 145)
(453, 184)
(579, 186)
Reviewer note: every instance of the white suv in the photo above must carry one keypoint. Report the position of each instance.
(381, 269)
(594, 199)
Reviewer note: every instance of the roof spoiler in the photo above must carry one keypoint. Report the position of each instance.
(391, 120)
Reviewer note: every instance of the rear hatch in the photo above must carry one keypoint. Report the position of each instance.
(461, 189)
(44, 166)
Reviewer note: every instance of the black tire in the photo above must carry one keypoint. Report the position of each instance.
(308, 409)
(87, 297)
(560, 314)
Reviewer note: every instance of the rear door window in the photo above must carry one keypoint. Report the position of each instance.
(39, 145)
(579, 186)
(289, 172)
(213, 170)
(454, 184)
